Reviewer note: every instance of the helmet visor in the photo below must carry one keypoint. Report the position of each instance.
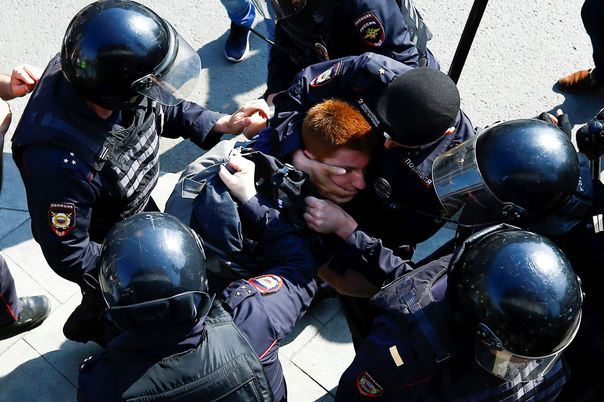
(461, 188)
(512, 367)
(174, 83)
(287, 8)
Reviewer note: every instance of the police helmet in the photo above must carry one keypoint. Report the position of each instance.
(114, 51)
(519, 294)
(152, 272)
(514, 169)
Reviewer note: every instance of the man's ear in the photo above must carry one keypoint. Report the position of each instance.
(449, 131)
(309, 154)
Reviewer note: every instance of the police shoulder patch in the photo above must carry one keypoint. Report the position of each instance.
(326, 76)
(266, 284)
(61, 217)
(367, 386)
(370, 28)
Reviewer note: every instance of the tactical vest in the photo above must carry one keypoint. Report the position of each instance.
(129, 156)
(418, 301)
(223, 367)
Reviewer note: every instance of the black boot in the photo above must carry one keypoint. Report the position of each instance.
(83, 325)
(34, 311)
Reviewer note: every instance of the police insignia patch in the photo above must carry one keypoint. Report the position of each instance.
(61, 217)
(266, 284)
(326, 76)
(367, 386)
(370, 28)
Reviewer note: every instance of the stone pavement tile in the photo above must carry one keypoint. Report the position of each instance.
(13, 194)
(328, 354)
(300, 387)
(164, 187)
(306, 328)
(25, 376)
(326, 309)
(26, 286)
(64, 355)
(11, 219)
(23, 250)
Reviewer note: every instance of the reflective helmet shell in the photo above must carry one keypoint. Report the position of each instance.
(110, 44)
(529, 163)
(150, 256)
(520, 286)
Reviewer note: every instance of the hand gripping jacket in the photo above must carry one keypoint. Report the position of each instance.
(46, 121)
(202, 201)
(222, 365)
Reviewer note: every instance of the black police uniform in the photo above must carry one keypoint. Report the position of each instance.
(10, 307)
(83, 174)
(264, 309)
(409, 192)
(344, 28)
(412, 353)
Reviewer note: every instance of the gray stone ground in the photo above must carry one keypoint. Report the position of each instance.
(521, 49)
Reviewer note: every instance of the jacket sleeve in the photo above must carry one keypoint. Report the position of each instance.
(393, 37)
(191, 121)
(60, 197)
(370, 257)
(281, 70)
(267, 307)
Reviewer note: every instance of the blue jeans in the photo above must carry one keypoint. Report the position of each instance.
(241, 12)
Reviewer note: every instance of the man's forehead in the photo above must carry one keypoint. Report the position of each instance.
(347, 157)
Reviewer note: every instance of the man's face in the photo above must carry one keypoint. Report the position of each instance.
(354, 162)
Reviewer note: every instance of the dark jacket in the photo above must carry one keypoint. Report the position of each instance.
(82, 173)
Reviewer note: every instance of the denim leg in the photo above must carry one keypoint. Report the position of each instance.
(241, 12)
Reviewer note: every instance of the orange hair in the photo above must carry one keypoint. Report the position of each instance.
(334, 124)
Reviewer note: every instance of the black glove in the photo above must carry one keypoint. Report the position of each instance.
(562, 121)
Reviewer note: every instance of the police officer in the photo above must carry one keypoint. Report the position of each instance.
(17, 314)
(522, 171)
(312, 31)
(489, 323)
(87, 144)
(180, 342)
(528, 172)
(417, 109)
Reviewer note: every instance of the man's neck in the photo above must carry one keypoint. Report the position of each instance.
(100, 111)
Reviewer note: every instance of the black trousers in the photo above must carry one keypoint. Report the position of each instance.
(592, 15)
(10, 307)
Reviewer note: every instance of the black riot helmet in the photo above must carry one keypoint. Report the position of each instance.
(114, 51)
(520, 168)
(519, 294)
(152, 272)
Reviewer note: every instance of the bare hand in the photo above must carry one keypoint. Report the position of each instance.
(249, 119)
(241, 183)
(323, 216)
(320, 176)
(23, 79)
